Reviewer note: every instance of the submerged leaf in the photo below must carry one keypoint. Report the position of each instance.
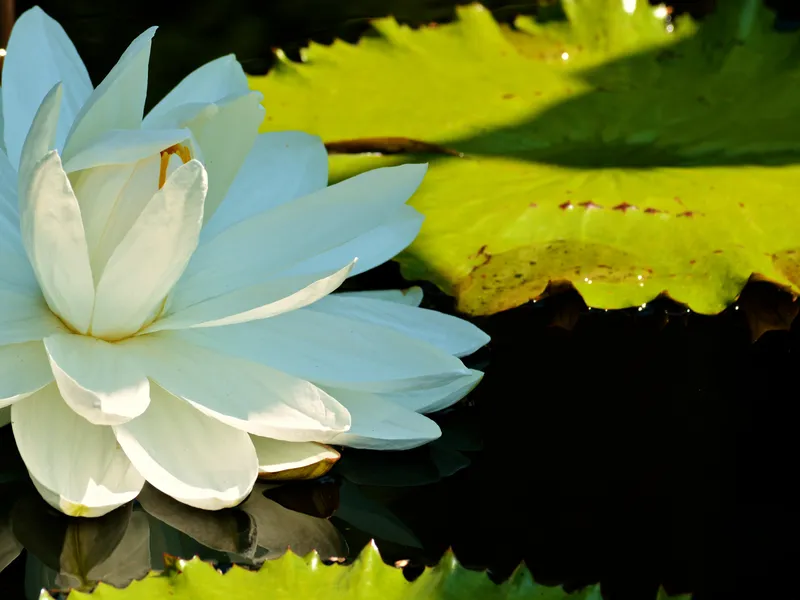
(620, 152)
(291, 577)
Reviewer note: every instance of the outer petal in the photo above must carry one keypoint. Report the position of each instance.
(98, 380)
(451, 334)
(410, 296)
(24, 316)
(245, 395)
(23, 370)
(118, 102)
(276, 239)
(188, 455)
(152, 256)
(332, 350)
(382, 425)
(373, 248)
(76, 466)
(39, 56)
(427, 399)
(41, 137)
(256, 302)
(281, 166)
(210, 83)
(276, 456)
(52, 231)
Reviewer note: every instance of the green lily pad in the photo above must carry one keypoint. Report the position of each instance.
(292, 577)
(619, 151)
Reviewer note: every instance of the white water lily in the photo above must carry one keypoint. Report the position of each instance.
(165, 281)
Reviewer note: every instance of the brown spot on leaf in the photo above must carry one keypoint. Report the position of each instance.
(678, 200)
(717, 251)
(589, 204)
(388, 145)
(652, 211)
(624, 207)
(508, 96)
(533, 205)
(566, 206)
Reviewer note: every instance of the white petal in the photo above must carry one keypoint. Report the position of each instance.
(98, 380)
(276, 239)
(282, 166)
(378, 424)
(24, 316)
(427, 399)
(411, 296)
(225, 133)
(451, 334)
(245, 395)
(39, 55)
(52, 231)
(76, 466)
(210, 83)
(42, 135)
(373, 248)
(120, 146)
(118, 102)
(5, 416)
(9, 206)
(255, 302)
(275, 456)
(23, 370)
(152, 256)
(188, 455)
(332, 350)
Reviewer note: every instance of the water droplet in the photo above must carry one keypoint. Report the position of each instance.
(564, 55)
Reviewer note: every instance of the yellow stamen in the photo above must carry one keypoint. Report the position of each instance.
(179, 149)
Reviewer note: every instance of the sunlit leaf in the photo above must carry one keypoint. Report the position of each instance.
(618, 151)
(291, 577)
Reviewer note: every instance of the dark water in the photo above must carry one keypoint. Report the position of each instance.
(631, 448)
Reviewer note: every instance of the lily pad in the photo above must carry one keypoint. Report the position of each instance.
(620, 151)
(291, 577)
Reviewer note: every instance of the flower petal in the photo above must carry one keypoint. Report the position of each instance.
(210, 83)
(23, 370)
(188, 455)
(278, 460)
(98, 380)
(118, 102)
(245, 395)
(281, 166)
(410, 296)
(76, 466)
(382, 425)
(152, 256)
(333, 350)
(24, 316)
(427, 399)
(41, 137)
(451, 334)
(373, 248)
(274, 240)
(256, 302)
(39, 56)
(120, 146)
(53, 235)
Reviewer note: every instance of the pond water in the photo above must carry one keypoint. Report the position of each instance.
(634, 448)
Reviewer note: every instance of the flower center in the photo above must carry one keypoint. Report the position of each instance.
(183, 153)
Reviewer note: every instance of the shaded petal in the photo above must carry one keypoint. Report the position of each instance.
(451, 334)
(372, 248)
(276, 239)
(120, 146)
(39, 56)
(378, 424)
(245, 395)
(281, 166)
(210, 83)
(411, 296)
(53, 235)
(276, 457)
(25, 316)
(255, 302)
(76, 466)
(188, 455)
(427, 399)
(152, 256)
(23, 370)
(98, 380)
(333, 350)
(118, 102)
(41, 137)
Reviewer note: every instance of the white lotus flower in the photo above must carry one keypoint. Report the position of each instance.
(164, 307)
